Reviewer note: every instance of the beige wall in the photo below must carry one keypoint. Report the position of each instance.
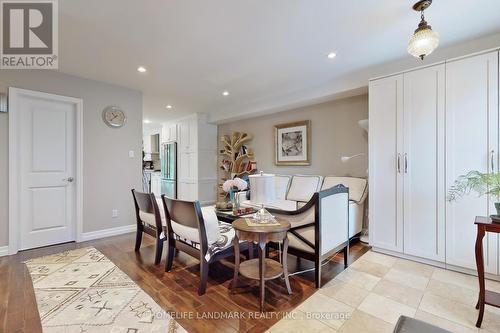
(108, 172)
(335, 133)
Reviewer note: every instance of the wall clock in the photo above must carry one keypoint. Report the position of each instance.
(114, 117)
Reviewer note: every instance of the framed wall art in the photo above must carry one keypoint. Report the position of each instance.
(293, 143)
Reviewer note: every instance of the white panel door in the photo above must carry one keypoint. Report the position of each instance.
(47, 196)
(423, 163)
(471, 144)
(386, 148)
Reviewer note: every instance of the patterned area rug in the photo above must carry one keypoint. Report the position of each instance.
(83, 291)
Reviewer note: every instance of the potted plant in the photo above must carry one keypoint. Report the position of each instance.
(481, 183)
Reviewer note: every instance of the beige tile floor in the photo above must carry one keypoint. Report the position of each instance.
(375, 290)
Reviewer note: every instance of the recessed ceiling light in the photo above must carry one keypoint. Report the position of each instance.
(147, 121)
(169, 106)
(332, 55)
(141, 69)
(225, 93)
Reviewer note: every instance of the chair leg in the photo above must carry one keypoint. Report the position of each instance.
(138, 239)
(170, 257)
(203, 277)
(159, 250)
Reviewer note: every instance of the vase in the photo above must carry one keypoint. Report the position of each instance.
(497, 207)
(233, 198)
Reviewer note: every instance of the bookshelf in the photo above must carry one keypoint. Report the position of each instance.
(237, 158)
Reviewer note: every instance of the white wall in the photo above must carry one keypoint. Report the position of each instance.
(335, 133)
(108, 172)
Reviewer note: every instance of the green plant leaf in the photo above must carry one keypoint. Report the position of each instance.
(478, 182)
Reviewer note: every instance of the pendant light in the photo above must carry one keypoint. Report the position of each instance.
(424, 41)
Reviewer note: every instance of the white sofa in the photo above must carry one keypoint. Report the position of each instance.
(324, 214)
(294, 191)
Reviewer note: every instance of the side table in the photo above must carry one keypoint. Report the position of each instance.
(484, 224)
(263, 268)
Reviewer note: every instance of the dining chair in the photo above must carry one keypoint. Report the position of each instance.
(149, 220)
(196, 231)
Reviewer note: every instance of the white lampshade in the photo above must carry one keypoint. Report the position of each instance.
(262, 188)
(423, 43)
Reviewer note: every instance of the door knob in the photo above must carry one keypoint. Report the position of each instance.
(69, 179)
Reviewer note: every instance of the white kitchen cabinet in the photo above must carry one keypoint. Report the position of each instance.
(146, 144)
(169, 132)
(386, 146)
(187, 191)
(155, 183)
(471, 144)
(183, 139)
(188, 130)
(423, 163)
(188, 165)
(196, 157)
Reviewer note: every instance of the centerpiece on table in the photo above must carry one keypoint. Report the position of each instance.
(482, 184)
(233, 186)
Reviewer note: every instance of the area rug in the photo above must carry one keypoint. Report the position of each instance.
(83, 291)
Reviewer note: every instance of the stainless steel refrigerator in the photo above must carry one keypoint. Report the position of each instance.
(168, 158)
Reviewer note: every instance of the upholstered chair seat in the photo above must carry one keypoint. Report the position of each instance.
(220, 235)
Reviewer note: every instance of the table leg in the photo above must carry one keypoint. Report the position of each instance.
(480, 273)
(262, 272)
(236, 244)
(285, 265)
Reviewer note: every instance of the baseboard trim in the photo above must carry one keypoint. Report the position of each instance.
(436, 263)
(410, 257)
(4, 251)
(87, 236)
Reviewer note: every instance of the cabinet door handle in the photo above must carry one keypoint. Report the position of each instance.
(492, 161)
(399, 163)
(406, 163)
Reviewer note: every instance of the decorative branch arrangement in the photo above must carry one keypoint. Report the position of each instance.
(237, 157)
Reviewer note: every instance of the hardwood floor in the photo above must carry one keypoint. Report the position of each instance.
(175, 291)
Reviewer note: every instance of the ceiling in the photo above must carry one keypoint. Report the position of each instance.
(267, 53)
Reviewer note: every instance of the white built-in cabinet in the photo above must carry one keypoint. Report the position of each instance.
(423, 163)
(196, 157)
(472, 144)
(386, 185)
(428, 126)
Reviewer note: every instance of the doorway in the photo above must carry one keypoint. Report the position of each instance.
(45, 169)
